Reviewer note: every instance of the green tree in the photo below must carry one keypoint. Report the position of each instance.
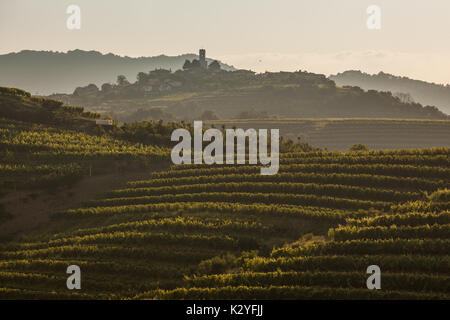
(106, 87)
(122, 80)
(142, 78)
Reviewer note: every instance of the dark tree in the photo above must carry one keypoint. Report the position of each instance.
(187, 65)
(142, 78)
(195, 64)
(122, 80)
(214, 66)
(106, 87)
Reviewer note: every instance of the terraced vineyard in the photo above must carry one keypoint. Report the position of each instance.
(412, 250)
(213, 232)
(37, 155)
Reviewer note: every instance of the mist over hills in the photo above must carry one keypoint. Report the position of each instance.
(47, 72)
(211, 94)
(425, 93)
(196, 93)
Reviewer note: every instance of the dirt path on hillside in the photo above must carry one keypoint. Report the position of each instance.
(30, 209)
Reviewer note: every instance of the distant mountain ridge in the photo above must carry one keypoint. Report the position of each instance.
(47, 72)
(425, 93)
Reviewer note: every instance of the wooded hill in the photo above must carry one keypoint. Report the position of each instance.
(218, 94)
(422, 92)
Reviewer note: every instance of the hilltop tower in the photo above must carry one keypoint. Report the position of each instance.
(202, 58)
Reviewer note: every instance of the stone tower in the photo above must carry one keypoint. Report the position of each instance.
(202, 58)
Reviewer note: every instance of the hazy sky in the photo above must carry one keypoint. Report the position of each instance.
(324, 36)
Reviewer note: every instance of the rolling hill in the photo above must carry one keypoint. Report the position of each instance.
(423, 92)
(192, 94)
(44, 143)
(17, 104)
(221, 231)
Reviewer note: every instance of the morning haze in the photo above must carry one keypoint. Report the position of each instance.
(321, 36)
(135, 141)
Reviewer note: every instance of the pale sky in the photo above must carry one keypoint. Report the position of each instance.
(323, 36)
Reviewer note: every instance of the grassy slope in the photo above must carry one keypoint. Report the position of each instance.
(16, 104)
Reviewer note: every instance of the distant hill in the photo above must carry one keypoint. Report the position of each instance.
(217, 94)
(425, 93)
(47, 72)
(19, 105)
